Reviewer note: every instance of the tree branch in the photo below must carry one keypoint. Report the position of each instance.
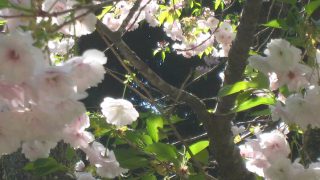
(225, 151)
(231, 166)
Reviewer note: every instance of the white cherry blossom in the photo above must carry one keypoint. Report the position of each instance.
(37, 149)
(118, 112)
(87, 70)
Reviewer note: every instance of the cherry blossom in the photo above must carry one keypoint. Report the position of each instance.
(79, 166)
(37, 149)
(113, 20)
(262, 151)
(173, 30)
(84, 21)
(282, 63)
(60, 47)
(54, 84)
(273, 144)
(104, 160)
(84, 24)
(225, 35)
(119, 112)
(87, 70)
(20, 59)
(75, 134)
(299, 109)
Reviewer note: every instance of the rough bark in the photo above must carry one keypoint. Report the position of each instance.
(11, 166)
(226, 153)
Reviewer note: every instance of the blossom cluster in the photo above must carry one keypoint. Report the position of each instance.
(192, 36)
(267, 156)
(146, 11)
(58, 13)
(198, 34)
(39, 103)
(283, 64)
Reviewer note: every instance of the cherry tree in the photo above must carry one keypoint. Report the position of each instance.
(270, 75)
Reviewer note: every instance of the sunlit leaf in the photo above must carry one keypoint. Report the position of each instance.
(164, 152)
(138, 138)
(237, 139)
(253, 102)
(217, 4)
(104, 11)
(202, 156)
(197, 147)
(153, 123)
(311, 7)
(277, 23)
(234, 88)
(163, 55)
(163, 16)
(3, 22)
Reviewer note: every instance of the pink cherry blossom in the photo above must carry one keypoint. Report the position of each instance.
(75, 134)
(20, 59)
(104, 160)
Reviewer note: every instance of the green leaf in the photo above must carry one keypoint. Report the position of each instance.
(261, 80)
(4, 4)
(173, 119)
(264, 112)
(156, 51)
(202, 156)
(217, 4)
(234, 88)
(130, 158)
(138, 138)
(104, 11)
(153, 123)
(149, 177)
(163, 152)
(197, 147)
(70, 153)
(44, 166)
(277, 23)
(163, 16)
(253, 102)
(2, 22)
(99, 125)
(311, 7)
(197, 177)
(163, 55)
(170, 19)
